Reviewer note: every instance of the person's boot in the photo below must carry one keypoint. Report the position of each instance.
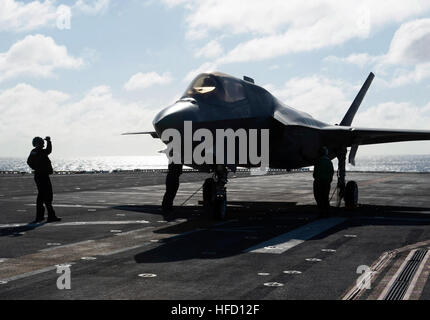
(51, 214)
(40, 215)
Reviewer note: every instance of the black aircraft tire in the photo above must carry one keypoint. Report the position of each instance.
(220, 208)
(209, 192)
(351, 194)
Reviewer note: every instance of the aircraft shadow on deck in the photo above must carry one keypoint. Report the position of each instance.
(252, 225)
(234, 207)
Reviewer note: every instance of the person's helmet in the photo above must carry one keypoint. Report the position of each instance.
(38, 142)
(323, 151)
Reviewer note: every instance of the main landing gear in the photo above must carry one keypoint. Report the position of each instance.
(348, 192)
(215, 193)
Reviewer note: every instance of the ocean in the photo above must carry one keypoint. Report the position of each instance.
(380, 163)
(90, 164)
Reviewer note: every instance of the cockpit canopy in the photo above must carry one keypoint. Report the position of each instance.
(215, 88)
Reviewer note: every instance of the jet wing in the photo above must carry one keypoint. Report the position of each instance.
(373, 136)
(152, 133)
(362, 136)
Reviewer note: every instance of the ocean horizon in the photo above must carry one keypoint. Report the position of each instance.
(377, 163)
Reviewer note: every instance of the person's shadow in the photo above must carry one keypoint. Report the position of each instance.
(17, 231)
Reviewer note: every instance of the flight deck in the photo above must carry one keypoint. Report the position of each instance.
(118, 244)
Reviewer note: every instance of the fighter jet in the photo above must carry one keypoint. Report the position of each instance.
(219, 101)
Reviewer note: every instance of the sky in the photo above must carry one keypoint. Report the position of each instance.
(85, 71)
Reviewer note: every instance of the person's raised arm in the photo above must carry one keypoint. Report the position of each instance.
(48, 149)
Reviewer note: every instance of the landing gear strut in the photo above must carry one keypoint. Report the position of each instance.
(215, 193)
(348, 192)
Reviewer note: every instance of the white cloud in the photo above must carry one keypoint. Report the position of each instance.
(212, 49)
(416, 75)
(325, 99)
(396, 115)
(410, 44)
(172, 3)
(281, 27)
(408, 55)
(92, 7)
(20, 16)
(205, 67)
(328, 100)
(410, 47)
(35, 55)
(90, 125)
(360, 59)
(144, 80)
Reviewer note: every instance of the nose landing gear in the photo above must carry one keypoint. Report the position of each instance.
(215, 193)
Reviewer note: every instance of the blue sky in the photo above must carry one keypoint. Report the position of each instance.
(122, 61)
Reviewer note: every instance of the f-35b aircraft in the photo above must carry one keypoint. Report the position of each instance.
(220, 101)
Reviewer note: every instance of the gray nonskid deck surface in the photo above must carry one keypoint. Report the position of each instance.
(116, 219)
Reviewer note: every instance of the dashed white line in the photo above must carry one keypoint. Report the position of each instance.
(88, 258)
(273, 284)
(147, 275)
(328, 250)
(313, 260)
(292, 272)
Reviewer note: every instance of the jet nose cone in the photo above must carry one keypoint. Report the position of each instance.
(173, 117)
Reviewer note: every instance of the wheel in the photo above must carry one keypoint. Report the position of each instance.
(351, 194)
(220, 208)
(209, 192)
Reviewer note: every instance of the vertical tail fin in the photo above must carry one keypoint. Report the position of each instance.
(349, 116)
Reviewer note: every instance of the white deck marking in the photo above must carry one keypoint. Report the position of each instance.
(88, 258)
(273, 284)
(29, 274)
(76, 223)
(72, 206)
(83, 223)
(295, 237)
(147, 275)
(122, 192)
(66, 245)
(292, 272)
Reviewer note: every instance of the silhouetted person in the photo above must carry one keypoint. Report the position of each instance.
(38, 160)
(323, 175)
(172, 185)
